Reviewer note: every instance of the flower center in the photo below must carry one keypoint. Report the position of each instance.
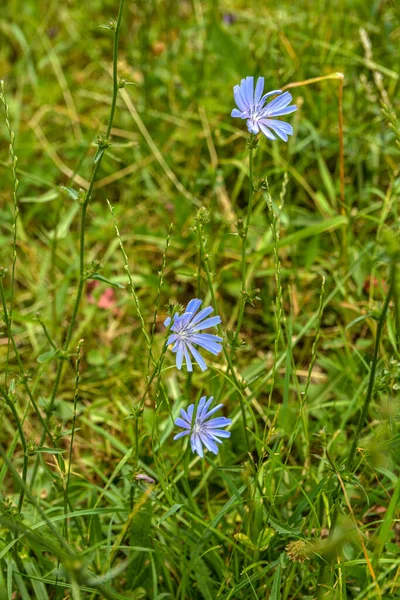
(256, 112)
(196, 427)
(184, 334)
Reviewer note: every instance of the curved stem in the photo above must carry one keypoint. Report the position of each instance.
(76, 395)
(115, 68)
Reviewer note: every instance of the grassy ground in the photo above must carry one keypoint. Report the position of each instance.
(286, 510)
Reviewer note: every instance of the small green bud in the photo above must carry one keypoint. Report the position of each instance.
(173, 307)
(230, 335)
(249, 297)
(31, 448)
(81, 197)
(8, 507)
(25, 377)
(111, 25)
(93, 268)
(243, 384)
(103, 143)
(202, 216)
(252, 141)
(57, 431)
(241, 229)
(136, 412)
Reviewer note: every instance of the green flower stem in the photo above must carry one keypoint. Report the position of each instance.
(243, 260)
(238, 385)
(157, 369)
(76, 396)
(115, 68)
(160, 284)
(131, 285)
(136, 462)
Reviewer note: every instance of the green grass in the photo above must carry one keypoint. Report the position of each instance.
(319, 344)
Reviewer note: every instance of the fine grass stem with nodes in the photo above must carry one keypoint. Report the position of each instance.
(15, 216)
(76, 396)
(243, 232)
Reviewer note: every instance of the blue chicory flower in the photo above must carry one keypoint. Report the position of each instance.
(203, 431)
(186, 330)
(252, 106)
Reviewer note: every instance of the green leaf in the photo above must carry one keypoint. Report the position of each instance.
(264, 538)
(276, 584)
(170, 512)
(281, 528)
(71, 192)
(46, 197)
(43, 450)
(98, 155)
(306, 232)
(38, 585)
(359, 320)
(204, 581)
(99, 277)
(323, 204)
(47, 356)
(327, 179)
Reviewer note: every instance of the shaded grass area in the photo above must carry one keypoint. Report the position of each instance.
(216, 528)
